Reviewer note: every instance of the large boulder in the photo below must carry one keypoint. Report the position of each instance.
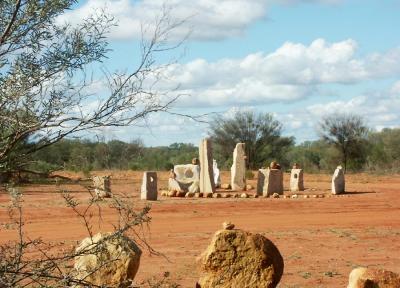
(236, 258)
(107, 260)
(373, 278)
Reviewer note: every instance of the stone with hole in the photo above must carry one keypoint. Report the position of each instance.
(149, 186)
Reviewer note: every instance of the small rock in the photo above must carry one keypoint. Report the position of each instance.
(228, 225)
(216, 195)
(256, 196)
(315, 196)
(208, 195)
(236, 195)
(189, 195)
(244, 195)
(306, 196)
(180, 194)
(294, 196)
(249, 187)
(275, 195)
(226, 186)
(172, 193)
(367, 277)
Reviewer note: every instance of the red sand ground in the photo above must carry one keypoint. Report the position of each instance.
(321, 239)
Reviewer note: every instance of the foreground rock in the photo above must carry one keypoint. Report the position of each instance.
(373, 278)
(105, 261)
(236, 258)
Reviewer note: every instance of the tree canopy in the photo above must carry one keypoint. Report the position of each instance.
(44, 82)
(259, 131)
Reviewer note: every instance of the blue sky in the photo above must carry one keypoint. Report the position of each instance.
(298, 59)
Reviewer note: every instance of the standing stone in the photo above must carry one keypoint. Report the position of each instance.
(217, 176)
(149, 186)
(338, 183)
(370, 278)
(102, 186)
(296, 180)
(238, 169)
(206, 167)
(270, 181)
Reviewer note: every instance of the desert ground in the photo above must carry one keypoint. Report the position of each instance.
(320, 239)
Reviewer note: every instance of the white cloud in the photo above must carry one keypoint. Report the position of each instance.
(292, 72)
(206, 19)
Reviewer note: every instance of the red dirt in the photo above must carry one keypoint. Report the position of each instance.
(321, 239)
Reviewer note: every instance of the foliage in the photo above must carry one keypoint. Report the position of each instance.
(384, 152)
(259, 131)
(348, 134)
(44, 87)
(85, 155)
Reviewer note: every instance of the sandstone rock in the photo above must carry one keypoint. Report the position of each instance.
(102, 186)
(217, 176)
(208, 195)
(249, 187)
(189, 195)
(244, 195)
(149, 186)
(306, 196)
(294, 196)
(180, 194)
(269, 181)
(373, 278)
(206, 169)
(296, 180)
(226, 186)
(228, 226)
(164, 193)
(195, 187)
(236, 195)
(187, 172)
(172, 193)
(217, 195)
(107, 260)
(338, 182)
(256, 196)
(238, 169)
(236, 258)
(275, 195)
(173, 185)
(226, 195)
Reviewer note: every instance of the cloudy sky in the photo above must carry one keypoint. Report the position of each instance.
(298, 59)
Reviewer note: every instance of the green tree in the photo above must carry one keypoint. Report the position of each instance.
(43, 85)
(348, 134)
(259, 131)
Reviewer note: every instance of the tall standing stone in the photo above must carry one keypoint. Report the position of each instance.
(217, 174)
(338, 182)
(149, 186)
(238, 169)
(296, 180)
(206, 167)
(270, 181)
